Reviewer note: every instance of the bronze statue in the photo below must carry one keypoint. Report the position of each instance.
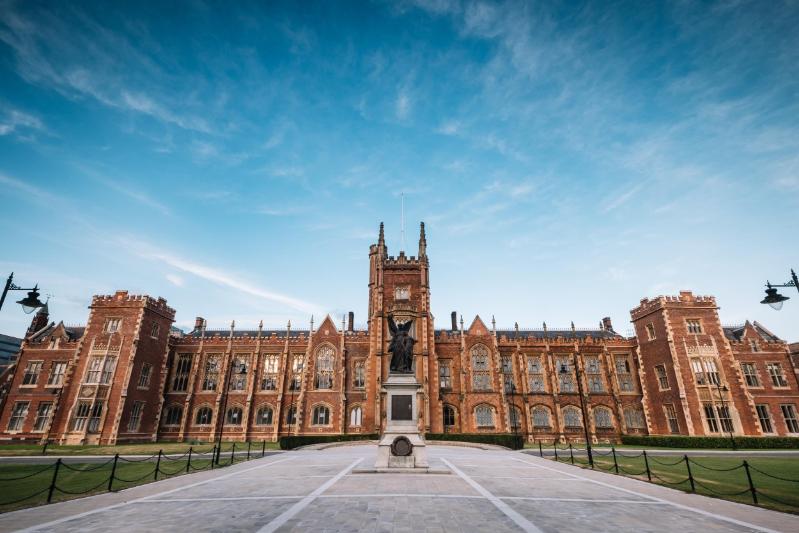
(401, 347)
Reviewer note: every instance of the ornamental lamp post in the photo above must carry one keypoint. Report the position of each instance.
(564, 370)
(775, 299)
(30, 303)
(242, 370)
(723, 388)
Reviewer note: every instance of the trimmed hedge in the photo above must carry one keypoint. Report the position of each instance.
(683, 441)
(295, 441)
(509, 440)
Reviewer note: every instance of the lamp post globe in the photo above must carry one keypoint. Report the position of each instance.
(31, 302)
(774, 299)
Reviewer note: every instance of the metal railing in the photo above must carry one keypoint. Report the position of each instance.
(62, 480)
(742, 482)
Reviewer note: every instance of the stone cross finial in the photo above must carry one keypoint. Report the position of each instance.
(422, 241)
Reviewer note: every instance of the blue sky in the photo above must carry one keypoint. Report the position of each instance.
(568, 159)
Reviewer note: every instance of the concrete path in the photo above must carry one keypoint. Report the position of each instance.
(316, 490)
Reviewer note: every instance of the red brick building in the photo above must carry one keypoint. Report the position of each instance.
(127, 376)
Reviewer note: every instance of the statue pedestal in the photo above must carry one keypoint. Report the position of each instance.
(401, 446)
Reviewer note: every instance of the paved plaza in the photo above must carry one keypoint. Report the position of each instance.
(321, 490)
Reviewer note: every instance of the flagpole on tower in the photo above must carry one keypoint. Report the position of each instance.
(402, 220)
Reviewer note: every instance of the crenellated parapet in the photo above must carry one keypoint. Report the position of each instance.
(685, 298)
(124, 299)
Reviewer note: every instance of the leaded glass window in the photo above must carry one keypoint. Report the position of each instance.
(484, 416)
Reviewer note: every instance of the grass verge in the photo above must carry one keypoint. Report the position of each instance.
(776, 479)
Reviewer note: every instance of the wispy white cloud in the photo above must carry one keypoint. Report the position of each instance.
(216, 276)
(13, 120)
(175, 280)
(402, 105)
(619, 198)
(79, 57)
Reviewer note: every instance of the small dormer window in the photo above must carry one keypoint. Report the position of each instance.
(402, 293)
(112, 325)
(753, 345)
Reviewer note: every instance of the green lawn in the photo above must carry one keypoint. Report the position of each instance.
(720, 477)
(31, 483)
(123, 449)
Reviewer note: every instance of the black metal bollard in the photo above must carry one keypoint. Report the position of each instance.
(571, 453)
(555, 444)
(751, 485)
(263, 448)
(233, 454)
(113, 473)
(249, 445)
(188, 463)
(615, 463)
(540, 449)
(52, 483)
(157, 466)
(690, 475)
(648, 472)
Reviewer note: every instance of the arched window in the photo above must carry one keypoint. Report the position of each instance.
(355, 416)
(264, 416)
(484, 416)
(572, 417)
(204, 415)
(541, 417)
(515, 417)
(321, 416)
(449, 416)
(324, 367)
(233, 416)
(173, 415)
(291, 415)
(603, 418)
(481, 373)
(634, 418)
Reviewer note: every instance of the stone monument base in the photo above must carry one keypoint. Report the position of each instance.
(401, 446)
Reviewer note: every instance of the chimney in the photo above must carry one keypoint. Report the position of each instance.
(351, 321)
(606, 324)
(199, 323)
(454, 321)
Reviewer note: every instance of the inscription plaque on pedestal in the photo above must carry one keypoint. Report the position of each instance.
(401, 407)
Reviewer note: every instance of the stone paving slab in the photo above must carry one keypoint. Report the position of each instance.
(400, 515)
(488, 490)
(401, 484)
(210, 517)
(567, 517)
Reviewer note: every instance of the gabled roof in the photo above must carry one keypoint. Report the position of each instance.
(737, 333)
(70, 333)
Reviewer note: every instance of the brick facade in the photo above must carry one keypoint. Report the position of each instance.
(126, 377)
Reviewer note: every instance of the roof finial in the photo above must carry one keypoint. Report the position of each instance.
(461, 322)
(516, 326)
(381, 240)
(311, 323)
(493, 323)
(545, 329)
